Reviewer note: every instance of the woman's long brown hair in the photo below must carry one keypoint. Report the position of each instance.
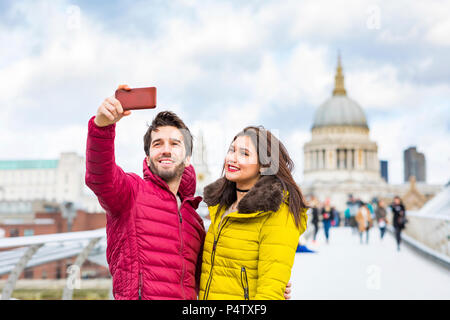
(272, 161)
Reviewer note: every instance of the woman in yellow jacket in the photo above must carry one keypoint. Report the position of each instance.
(257, 215)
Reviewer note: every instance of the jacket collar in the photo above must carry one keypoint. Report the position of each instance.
(266, 195)
(187, 184)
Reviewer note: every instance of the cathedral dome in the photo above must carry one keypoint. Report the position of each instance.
(339, 110)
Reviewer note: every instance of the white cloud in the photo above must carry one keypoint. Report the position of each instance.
(377, 88)
(438, 34)
(45, 144)
(301, 76)
(336, 19)
(241, 59)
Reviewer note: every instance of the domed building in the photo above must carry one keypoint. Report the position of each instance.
(341, 159)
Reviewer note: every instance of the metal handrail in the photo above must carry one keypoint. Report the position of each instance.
(48, 238)
(51, 247)
(428, 216)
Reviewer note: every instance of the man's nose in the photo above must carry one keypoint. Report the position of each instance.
(166, 149)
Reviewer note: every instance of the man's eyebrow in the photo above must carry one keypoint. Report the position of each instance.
(156, 140)
(171, 139)
(176, 140)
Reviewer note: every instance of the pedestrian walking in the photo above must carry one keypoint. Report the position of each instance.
(336, 217)
(347, 217)
(315, 218)
(352, 209)
(398, 219)
(364, 220)
(381, 217)
(327, 217)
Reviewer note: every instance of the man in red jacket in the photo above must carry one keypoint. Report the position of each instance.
(154, 235)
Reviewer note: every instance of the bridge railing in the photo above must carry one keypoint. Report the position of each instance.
(36, 250)
(429, 235)
(431, 230)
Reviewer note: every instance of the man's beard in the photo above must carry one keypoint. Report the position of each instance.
(168, 175)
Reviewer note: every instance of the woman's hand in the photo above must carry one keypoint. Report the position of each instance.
(287, 291)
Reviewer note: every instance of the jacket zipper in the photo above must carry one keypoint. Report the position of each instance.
(181, 245)
(244, 282)
(181, 252)
(140, 286)
(213, 255)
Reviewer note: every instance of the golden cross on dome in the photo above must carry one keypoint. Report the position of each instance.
(339, 88)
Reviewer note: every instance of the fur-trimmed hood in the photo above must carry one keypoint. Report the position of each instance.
(266, 195)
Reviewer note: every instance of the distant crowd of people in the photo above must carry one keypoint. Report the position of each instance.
(360, 216)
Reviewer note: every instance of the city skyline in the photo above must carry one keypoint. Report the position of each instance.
(222, 66)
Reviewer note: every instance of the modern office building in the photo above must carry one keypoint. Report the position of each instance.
(414, 165)
(384, 170)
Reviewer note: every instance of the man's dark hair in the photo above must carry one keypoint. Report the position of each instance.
(168, 118)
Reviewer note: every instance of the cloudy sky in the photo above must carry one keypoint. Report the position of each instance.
(222, 65)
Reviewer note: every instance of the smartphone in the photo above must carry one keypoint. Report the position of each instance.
(137, 98)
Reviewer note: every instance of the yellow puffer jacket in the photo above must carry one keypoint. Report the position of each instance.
(251, 255)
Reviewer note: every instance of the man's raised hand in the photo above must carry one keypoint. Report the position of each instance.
(111, 111)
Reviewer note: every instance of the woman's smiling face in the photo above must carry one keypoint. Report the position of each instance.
(241, 161)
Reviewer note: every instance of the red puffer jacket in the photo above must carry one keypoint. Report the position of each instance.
(153, 249)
